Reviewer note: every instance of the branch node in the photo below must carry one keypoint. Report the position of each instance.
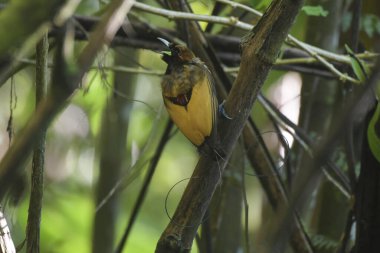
(233, 20)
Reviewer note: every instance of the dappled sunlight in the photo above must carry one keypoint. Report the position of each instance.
(285, 94)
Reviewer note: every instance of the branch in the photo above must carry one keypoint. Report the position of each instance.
(144, 189)
(29, 21)
(306, 178)
(231, 21)
(114, 128)
(14, 15)
(311, 51)
(260, 49)
(272, 184)
(317, 53)
(37, 178)
(334, 175)
(342, 77)
(65, 81)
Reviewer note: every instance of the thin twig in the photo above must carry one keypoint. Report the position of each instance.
(37, 182)
(343, 77)
(65, 83)
(142, 193)
(310, 50)
(231, 21)
(332, 173)
(279, 62)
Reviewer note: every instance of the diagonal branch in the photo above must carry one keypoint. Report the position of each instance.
(319, 54)
(260, 48)
(306, 179)
(65, 81)
(27, 29)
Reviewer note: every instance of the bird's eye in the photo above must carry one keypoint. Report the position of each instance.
(177, 50)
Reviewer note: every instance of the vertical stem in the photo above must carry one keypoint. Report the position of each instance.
(144, 189)
(112, 152)
(319, 100)
(355, 24)
(35, 203)
(367, 207)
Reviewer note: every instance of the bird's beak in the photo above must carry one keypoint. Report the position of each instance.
(165, 42)
(165, 54)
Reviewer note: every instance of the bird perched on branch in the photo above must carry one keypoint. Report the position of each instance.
(189, 94)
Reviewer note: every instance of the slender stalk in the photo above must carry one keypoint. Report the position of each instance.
(319, 54)
(260, 49)
(144, 188)
(112, 151)
(65, 82)
(37, 178)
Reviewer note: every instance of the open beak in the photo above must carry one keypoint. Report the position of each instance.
(165, 42)
(165, 54)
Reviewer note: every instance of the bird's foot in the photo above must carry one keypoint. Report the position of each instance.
(223, 112)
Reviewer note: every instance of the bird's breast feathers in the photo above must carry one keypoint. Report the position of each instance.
(194, 111)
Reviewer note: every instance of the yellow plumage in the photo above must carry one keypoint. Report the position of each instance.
(189, 95)
(196, 119)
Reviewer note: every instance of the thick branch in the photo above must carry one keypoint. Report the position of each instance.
(29, 21)
(14, 16)
(260, 50)
(65, 83)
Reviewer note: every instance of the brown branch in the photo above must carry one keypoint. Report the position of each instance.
(307, 178)
(27, 18)
(37, 178)
(259, 51)
(14, 15)
(65, 81)
(273, 188)
(273, 185)
(112, 150)
(144, 36)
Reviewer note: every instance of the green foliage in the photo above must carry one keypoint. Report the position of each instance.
(370, 23)
(63, 228)
(87, 7)
(324, 243)
(24, 26)
(260, 4)
(316, 10)
(96, 91)
(68, 204)
(358, 66)
(373, 134)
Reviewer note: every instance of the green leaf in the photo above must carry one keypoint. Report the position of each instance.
(373, 134)
(346, 21)
(359, 67)
(368, 25)
(377, 25)
(261, 4)
(316, 10)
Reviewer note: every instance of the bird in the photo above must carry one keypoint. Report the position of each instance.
(189, 94)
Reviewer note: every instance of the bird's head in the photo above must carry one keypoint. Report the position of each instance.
(178, 53)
